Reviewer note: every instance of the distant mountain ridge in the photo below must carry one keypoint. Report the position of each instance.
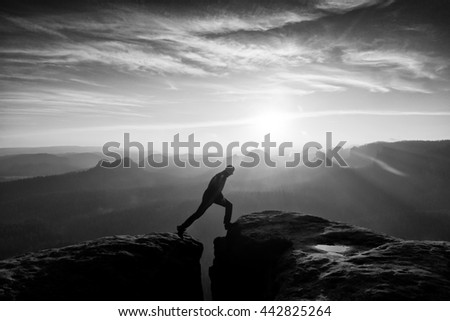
(41, 164)
(5, 151)
(110, 176)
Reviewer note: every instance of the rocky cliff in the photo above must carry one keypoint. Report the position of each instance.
(158, 266)
(290, 256)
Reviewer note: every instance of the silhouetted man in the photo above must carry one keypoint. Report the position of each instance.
(213, 194)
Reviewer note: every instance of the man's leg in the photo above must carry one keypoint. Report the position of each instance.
(198, 213)
(206, 203)
(222, 201)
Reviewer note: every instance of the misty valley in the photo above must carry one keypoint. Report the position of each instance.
(82, 204)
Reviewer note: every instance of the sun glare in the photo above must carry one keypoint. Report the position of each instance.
(273, 122)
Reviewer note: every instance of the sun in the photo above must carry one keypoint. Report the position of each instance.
(276, 123)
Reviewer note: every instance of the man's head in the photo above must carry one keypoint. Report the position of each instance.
(229, 170)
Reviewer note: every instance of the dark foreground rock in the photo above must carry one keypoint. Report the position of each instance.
(290, 256)
(158, 266)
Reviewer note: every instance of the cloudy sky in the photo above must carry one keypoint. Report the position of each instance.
(84, 72)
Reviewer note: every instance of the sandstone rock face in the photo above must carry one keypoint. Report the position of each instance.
(158, 266)
(290, 256)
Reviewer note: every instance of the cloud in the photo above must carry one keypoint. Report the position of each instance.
(331, 79)
(213, 42)
(84, 61)
(418, 65)
(348, 5)
(86, 82)
(117, 54)
(224, 22)
(252, 120)
(71, 102)
(33, 26)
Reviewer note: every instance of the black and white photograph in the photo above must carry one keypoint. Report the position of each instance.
(225, 150)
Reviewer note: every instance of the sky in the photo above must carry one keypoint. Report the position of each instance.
(85, 72)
